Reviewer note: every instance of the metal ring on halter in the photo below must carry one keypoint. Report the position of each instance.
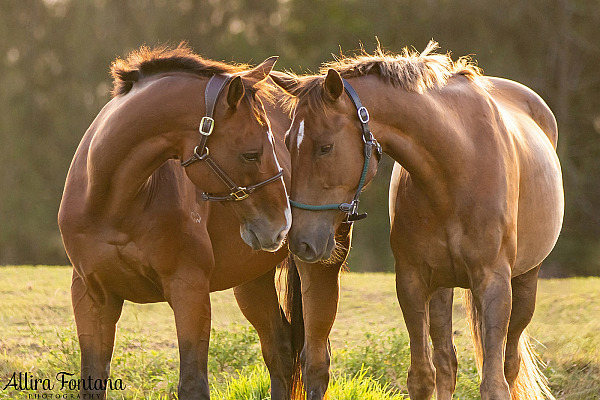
(201, 157)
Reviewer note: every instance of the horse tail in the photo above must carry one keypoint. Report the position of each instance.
(531, 384)
(293, 310)
(475, 327)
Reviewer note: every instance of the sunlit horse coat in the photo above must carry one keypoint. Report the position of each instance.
(476, 201)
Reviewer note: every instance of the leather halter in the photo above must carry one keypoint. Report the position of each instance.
(370, 144)
(215, 86)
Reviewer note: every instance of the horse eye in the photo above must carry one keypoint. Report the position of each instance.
(326, 149)
(251, 157)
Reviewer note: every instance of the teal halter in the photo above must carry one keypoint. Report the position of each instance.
(351, 209)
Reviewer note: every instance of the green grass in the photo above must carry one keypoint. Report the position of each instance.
(369, 340)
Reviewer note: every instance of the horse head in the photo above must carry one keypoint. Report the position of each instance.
(329, 167)
(238, 157)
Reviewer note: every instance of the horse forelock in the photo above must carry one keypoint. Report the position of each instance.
(308, 89)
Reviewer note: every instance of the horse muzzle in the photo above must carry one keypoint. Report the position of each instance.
(312, 248)
(259, 238)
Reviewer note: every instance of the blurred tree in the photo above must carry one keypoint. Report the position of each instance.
(55, 56)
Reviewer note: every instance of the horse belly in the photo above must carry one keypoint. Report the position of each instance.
(541, 205)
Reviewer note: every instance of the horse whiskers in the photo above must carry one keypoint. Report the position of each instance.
(338, 255)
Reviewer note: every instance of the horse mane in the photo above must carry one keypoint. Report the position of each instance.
(409, 70)
(145, 62)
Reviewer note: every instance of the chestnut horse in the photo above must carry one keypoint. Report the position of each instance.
(476, 199)
(135, 223)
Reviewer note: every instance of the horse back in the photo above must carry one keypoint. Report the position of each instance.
(520, 97)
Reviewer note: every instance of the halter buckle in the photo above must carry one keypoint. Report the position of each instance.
(363, 115)
(240, 194)
(206, 126)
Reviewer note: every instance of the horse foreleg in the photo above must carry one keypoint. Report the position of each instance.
(259, 303)
(444, 351)
(320, 295)
(188, 295)
(491, 288)
(96, 318)
(412, 296)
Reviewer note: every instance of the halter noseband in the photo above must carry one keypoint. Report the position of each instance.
(215, 86)
(370, 143)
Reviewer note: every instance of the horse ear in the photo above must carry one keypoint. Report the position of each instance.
(287, 82)
(333, 86)
(260, 72)
(236, 92)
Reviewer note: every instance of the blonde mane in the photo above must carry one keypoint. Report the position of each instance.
(410, 70)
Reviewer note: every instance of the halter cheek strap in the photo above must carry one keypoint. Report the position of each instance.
(370, 144)
(215, 86)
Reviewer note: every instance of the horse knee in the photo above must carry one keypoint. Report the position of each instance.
(421, 382)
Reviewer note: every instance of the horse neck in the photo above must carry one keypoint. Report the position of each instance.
(138, 134)
(418, 130)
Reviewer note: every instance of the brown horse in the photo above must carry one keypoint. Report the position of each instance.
(476, 199)
(135, 224)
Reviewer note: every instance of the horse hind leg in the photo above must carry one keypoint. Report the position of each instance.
(491, 307)
(444, 351)
(96, 318)
(520, 368)
(259, 303)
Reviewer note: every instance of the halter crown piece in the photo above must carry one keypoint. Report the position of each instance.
(370, 143)
(215, 86)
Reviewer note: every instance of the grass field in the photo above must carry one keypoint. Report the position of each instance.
(369, 341)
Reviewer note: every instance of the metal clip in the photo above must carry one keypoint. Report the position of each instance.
(356, 217)
(378, 150)
(206, 126)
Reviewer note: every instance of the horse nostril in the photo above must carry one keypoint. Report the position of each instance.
(307, 251)
(252, 239)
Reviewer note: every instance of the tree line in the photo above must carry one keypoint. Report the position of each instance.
(55, 55)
